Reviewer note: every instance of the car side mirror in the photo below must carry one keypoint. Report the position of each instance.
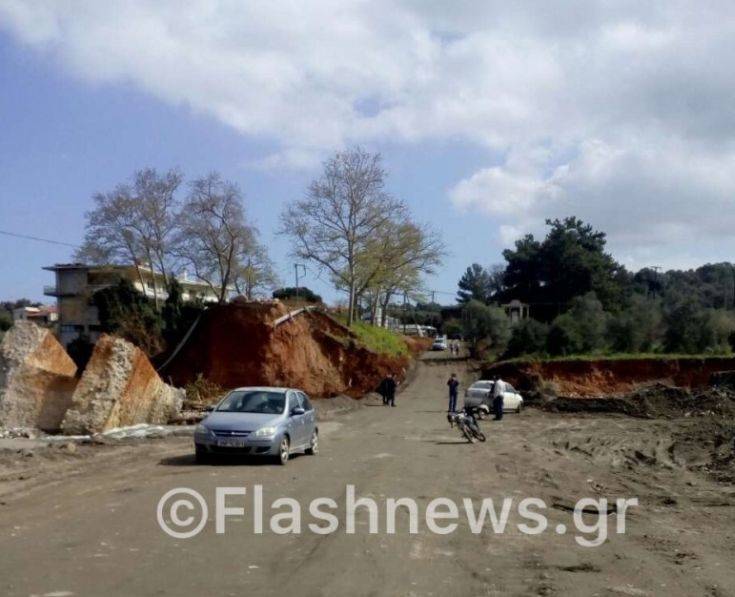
(296, 411)
(209, 408)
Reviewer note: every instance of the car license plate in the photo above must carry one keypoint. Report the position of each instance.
(231, 442)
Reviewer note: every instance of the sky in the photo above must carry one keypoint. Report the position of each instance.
(490, 116)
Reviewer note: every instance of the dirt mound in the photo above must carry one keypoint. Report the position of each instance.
(36, 378)
(119, 387)
(700, 444)
(602, 377)
(240, 344)
(657, 400)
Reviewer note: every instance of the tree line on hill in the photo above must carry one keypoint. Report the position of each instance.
(582, 301)
(148, 223)
(347, 224)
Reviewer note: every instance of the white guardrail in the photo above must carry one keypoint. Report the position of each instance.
(291, 315)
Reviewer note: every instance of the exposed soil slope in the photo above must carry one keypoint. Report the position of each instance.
(238, 345)
(602, 377)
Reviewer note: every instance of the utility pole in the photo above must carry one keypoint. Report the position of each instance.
(405, 307)
(296, 267)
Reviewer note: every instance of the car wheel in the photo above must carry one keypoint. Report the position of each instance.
(313, 448)
(201, 456)
(284, 449)
(520, 408)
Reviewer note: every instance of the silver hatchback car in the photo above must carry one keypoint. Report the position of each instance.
(259, 421)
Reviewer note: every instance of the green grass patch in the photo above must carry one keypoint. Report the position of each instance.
(380, 340)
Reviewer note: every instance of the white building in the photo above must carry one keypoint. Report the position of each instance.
(77, 282)
(44, 315)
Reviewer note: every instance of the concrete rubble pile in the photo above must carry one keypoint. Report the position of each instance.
(39, 389)
(37, 378)
(119, 388)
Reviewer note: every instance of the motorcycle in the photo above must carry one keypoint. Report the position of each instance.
(466, 422)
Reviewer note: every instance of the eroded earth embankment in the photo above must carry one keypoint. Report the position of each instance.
(603, 377)
(241, 344)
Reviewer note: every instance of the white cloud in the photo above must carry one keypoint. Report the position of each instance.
(656, 203)
(620, 112)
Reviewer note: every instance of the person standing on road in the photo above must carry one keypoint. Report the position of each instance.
(498, 390)
(387, 390)
(453, 384)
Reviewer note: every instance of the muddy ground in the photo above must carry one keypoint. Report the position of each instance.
(82, 520)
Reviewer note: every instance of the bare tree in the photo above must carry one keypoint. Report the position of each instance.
(157, 207)
(134, 224)
(400, 253)
(338, 220)
(213, 235)
(409, 251)
(110, 231)
(255, 273)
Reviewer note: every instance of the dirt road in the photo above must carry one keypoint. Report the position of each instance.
(85, 523)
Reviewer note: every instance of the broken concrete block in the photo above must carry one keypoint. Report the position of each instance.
(36, 378)
(118, 388)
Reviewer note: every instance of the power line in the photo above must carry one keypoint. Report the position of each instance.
(38, 238)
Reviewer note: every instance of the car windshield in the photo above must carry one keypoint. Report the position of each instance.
(482, 385)
(254, 401)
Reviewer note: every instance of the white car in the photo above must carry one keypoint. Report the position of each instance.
(440, 343)
(480, 394)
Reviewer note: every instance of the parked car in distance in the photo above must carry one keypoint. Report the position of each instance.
(259, 421)
(480, 394)
(440, 343)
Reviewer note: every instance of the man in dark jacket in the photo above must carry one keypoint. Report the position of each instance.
(453, 384)
(387, 390)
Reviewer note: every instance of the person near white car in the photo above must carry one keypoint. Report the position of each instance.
(499, 388)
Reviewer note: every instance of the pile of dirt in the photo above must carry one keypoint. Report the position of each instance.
(240, 345)
(603, 377)
(37, 378)
(704, 445)
(119, 388)
(657, 400)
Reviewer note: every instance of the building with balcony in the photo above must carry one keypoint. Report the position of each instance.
(77, 282)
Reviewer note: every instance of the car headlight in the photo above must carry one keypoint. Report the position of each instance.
(202, 430)
(265, 432)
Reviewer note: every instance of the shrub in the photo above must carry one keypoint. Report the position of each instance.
(6, 320)
(528, 337)
(127, 313)
(562, 338)
(201, 392)
(302, 293)
(483, 323)
(453, 328)
(579, 330)
(177, 315)
(691, 329)
(638, 328)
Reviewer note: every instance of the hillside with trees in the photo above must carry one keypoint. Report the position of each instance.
(584, 302)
